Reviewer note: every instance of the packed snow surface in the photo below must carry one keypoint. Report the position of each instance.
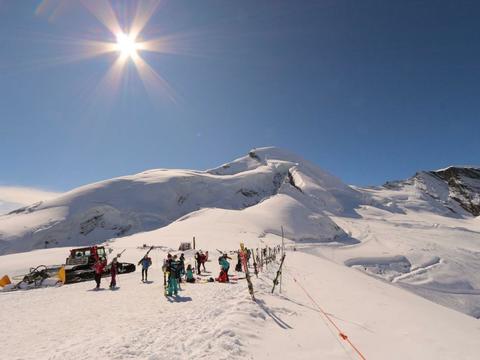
(220, 321)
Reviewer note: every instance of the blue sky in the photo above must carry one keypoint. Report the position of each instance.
(368, 90)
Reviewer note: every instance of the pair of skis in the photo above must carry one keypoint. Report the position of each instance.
(116, 257)
(243, 257)
(254, 263)
(148, 252)
(165, 285)
(279, 272)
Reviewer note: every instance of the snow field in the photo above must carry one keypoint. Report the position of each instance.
(136, 321)
(220, 321)
(383, 321)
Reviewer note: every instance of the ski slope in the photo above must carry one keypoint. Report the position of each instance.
(220, 321)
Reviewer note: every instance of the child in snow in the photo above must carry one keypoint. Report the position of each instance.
(190, 278)
(146, 262)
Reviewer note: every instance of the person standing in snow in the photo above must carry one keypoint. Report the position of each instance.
(166, 269)
(203, 259)
(166, 262)
(238, 267)
(173, 271)
(190, 277)
(98, 267)
(181, 261)
(198, 262)
(146, 262)
(113, 273)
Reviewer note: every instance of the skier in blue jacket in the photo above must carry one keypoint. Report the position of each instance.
(225, 266)
(146, 262)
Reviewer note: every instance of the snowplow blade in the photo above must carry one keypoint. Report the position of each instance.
(61, 274)
(5, 281)
(70, 274)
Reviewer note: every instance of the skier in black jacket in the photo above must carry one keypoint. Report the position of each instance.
(198, 262)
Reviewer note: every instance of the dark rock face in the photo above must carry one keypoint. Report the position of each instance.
(464, 186)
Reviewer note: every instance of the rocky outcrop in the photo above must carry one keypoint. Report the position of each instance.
(454, 190)
(464, 186)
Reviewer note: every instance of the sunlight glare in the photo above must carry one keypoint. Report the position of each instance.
(126, 45)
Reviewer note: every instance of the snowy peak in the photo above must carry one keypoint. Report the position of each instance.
(325, 190)
(258, 157)
(453, 191)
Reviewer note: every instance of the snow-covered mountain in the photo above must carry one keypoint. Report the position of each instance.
(153, 199)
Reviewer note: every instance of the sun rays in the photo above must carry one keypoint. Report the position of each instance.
(125, 42)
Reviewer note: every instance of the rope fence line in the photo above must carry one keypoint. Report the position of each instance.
(341, 333)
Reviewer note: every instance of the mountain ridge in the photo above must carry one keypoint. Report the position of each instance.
(154, 198)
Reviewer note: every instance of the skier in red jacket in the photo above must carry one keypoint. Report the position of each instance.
(99, 266)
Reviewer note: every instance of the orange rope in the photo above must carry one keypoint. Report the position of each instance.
(342, 335)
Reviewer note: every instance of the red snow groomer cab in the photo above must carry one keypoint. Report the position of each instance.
(79, 265)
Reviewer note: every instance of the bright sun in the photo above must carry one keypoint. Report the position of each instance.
(126, 45)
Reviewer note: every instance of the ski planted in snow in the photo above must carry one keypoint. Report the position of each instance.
(279, 272)
(243, 257)
(165, 283)
(254, 263)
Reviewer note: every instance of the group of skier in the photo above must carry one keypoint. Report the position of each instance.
(174, 268)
